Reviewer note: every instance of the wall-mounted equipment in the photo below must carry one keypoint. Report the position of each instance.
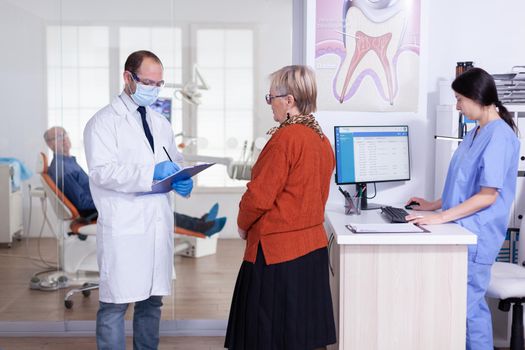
(190, 91)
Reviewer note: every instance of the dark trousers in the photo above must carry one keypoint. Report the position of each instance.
(183, 221)
(191, 223)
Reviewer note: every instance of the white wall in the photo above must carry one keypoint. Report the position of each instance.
(22, 92)
(488, 33)
(23, 83)
(481, 31)
(475, 31)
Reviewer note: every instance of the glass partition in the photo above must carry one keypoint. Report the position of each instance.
(65, 62)
(32, 283)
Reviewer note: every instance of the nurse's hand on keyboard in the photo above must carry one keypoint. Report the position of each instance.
(431, 219)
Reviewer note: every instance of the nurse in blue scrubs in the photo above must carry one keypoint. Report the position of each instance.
(479, 191)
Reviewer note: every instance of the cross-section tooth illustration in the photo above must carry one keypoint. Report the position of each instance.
(371, 49)
(367, 54)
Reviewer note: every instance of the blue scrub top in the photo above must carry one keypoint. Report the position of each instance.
(489, 159)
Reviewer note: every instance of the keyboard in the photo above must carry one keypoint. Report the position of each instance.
(395, 215)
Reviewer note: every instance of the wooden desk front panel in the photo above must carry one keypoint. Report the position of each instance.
(404, 297)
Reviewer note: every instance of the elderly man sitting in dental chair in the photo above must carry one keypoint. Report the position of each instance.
(73, 181)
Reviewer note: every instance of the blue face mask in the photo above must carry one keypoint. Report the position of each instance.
(145, 95)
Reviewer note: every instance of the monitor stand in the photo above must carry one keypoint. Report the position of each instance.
(361, 190)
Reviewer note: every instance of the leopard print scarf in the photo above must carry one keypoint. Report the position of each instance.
(306, 120)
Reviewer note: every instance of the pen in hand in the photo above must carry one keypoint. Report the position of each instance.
(164, 148)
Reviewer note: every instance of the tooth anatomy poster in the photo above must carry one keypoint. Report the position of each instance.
(367, 55)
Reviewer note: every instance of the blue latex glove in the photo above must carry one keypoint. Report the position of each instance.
(164, 169)
(183, 187)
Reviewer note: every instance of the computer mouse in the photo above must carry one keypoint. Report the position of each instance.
(409, 205)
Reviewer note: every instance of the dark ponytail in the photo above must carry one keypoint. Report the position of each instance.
(506, 115)
(479, 86)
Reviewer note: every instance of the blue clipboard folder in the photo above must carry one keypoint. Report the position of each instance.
(164, 185)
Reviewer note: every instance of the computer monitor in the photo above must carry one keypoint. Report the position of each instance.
(163, 106)
(370, 154)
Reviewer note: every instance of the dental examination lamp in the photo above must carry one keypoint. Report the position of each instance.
(190, 92)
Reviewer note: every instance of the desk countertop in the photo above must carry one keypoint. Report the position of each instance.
(444, 234)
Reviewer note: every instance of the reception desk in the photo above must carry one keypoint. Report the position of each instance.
(398, 291)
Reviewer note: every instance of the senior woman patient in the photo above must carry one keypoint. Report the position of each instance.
(282, 294)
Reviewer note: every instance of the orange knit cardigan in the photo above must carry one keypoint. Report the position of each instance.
(283, 207)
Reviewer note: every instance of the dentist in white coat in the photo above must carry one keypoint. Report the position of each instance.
(124, 147)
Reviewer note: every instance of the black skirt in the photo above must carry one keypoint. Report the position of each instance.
(285, 306)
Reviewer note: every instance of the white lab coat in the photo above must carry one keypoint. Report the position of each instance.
(134, 232)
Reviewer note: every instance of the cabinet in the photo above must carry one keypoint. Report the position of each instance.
(398, 291)
(11, 220)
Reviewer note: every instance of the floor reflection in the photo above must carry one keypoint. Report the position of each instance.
(202, 290)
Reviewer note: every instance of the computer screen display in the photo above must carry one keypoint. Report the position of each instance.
(371, 154)
(163, 106)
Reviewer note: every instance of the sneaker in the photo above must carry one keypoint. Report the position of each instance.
(218, 225)
(212, 214)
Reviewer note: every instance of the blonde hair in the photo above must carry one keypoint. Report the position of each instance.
(298, 81)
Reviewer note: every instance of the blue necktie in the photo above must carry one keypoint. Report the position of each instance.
(142, 111)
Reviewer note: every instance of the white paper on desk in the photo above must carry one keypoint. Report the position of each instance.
(164, 185)
(385, 228)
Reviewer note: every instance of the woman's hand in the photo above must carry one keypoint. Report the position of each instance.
(422, 205)
(243, 234)
(431, 219)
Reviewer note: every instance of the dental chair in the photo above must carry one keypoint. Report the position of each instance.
(507, 285)
(76, 236)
